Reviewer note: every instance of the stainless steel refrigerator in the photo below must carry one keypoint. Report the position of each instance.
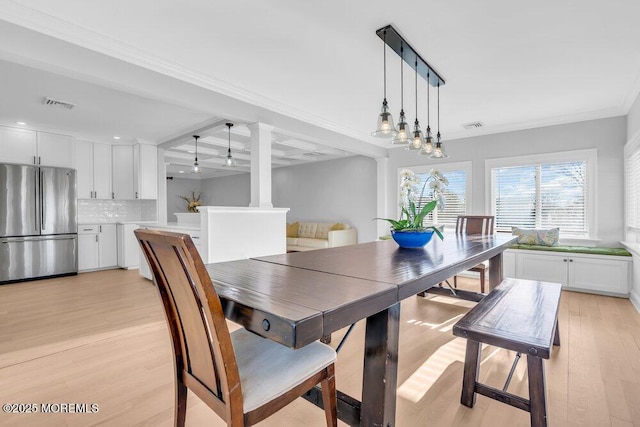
(38, 222)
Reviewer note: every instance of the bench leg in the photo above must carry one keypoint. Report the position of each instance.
(537, 391)
(470, 375)
(556, 336)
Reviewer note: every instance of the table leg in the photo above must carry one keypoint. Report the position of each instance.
(380, 375)
(495, 271)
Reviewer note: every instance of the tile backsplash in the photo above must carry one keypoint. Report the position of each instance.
(97, 211)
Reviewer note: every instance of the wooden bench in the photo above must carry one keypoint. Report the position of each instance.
(518, 315)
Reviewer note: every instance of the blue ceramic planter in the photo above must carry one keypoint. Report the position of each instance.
(412, 239)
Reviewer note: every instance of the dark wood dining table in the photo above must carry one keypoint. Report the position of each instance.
(300, 297)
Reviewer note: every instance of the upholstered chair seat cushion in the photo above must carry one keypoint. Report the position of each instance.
(268, 369)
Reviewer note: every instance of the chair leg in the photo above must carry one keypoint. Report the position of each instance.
(455, 282)
(181, 403)
(482, 281)
(329, 398)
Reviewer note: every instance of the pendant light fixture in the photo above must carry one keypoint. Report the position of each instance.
(196, 168)
(403, 127)
(417, 141)
(229, 161)
(427, 148)
(385, 128)
(438, 151)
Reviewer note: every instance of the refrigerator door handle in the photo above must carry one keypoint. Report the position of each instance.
(42, 202)
(35, 195)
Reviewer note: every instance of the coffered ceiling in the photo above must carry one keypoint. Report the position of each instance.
(314, 69)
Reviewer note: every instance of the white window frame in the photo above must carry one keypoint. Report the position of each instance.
(590, 156)
(467, 166)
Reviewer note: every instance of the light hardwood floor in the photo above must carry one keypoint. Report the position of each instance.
(100, 338)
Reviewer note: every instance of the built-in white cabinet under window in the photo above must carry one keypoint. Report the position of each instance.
(36, 148)
(604, 274)
(97, 246)
(135, 172)
(93, 162)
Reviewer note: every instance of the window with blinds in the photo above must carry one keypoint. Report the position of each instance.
(632, 185)
(455, 196)
(542, 195)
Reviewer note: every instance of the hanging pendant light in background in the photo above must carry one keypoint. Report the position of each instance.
(403, 127)
(229, 161)
(417, 141)
(196, 168)
(385, 128)
(438, 151)
(427, 148)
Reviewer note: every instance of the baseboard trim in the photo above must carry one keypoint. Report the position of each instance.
(634, 297)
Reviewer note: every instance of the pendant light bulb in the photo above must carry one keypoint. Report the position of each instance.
(417, 140)
(427, 148)
(196, 167)
(404, 132)
(385, 128)
(229, 161)
(438, 150)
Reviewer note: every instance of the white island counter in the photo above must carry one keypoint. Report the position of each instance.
(227, 233)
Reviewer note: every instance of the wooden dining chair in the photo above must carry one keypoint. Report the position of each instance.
(475, 225)
(243, 377)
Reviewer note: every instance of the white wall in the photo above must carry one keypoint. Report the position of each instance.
(180, 187)
(608, 136)
(342, 190)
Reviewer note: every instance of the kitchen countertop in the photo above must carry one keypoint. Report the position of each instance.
(176, 226)
(115, 222)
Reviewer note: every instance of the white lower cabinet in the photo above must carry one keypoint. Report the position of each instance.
(603, 274)
(97, 246)
(128, 246)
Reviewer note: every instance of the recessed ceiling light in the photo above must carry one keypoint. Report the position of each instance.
(116, 137)
(180, 171)
(21, 123)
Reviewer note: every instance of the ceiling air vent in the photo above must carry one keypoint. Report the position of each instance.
(473, 125)
(56, 103)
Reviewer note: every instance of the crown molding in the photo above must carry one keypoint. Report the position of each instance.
(52, 26)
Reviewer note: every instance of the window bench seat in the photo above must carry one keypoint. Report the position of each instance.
(574, 249)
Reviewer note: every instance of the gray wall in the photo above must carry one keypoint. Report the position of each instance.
(234, 190)
(608, 136)
(633, 119)
(342, 190)
(180, 187)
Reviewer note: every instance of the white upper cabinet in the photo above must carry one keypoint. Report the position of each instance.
(18, 146)
(93, 162)
(135, 172)
(122, 156)
(55, 150)
(35, 148)
(145, 171)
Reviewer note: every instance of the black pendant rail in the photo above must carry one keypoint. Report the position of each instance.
(395, 41)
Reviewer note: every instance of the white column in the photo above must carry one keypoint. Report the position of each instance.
(383, 195)
(260, 165)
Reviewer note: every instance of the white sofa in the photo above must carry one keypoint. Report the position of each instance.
(318, 235)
